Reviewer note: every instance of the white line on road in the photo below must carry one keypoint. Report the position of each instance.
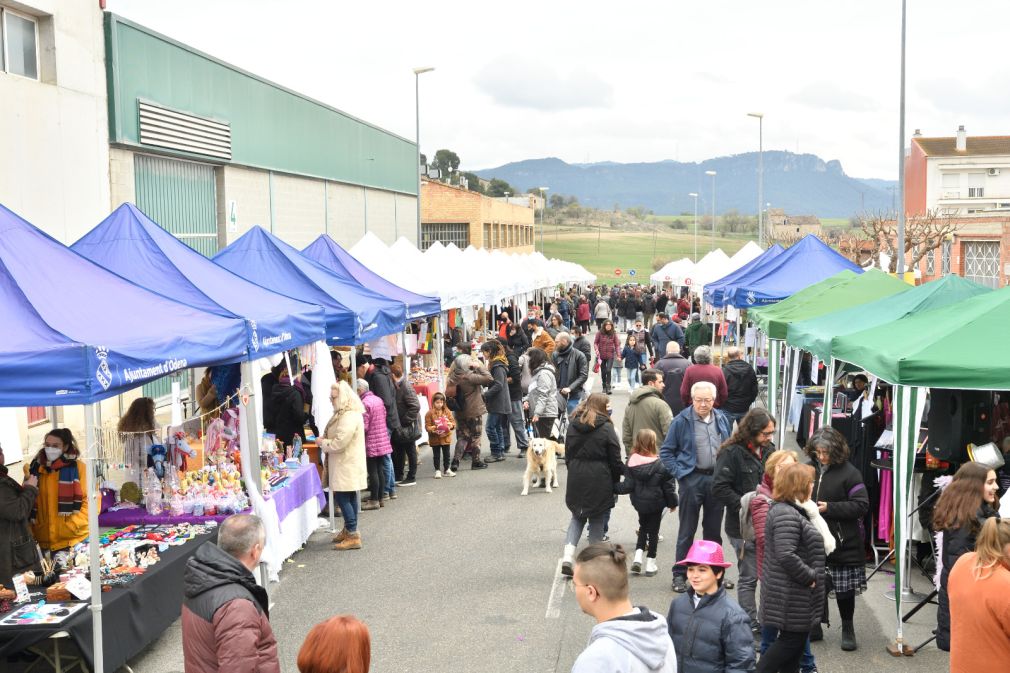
(557, 591)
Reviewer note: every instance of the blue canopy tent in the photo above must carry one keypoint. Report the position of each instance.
(354, 314)
(327, 252)
(715, 292)
(132, 245)
(801, 265)
(75, 333)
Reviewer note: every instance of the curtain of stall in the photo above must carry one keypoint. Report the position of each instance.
(909, 404)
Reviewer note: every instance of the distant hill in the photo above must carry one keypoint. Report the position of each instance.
(801, 184)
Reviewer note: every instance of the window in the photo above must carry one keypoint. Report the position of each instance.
(37, 415)
(951, 180)
(976, 192)
(931, 263)
(19, 53)
(458, 233)
(487, 235)
(945, 258)
(981, 262)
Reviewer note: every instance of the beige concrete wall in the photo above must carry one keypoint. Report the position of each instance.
(122, 180)
(345, 212)
(250, 189)
(406, 217)
(381, 214)
(299, 209)
(54, 163)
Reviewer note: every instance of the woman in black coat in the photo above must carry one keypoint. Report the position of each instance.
(593, 457)
(18, 550)
(962, 508)
(792, 579)
(843, 501)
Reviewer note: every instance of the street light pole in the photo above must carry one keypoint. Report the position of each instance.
(712, 173)
(900, 268)
(761, 172)
(543, 207)
(695, 195)
(417, 139)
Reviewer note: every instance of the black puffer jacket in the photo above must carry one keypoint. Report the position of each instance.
(956, 543)
(593, 456)
(408, 406)
(742, 384)
(284, 414)
(380, 382)
(841, 486)
(673, 368)
(651, 487)
(738, 470)
(496, 396)
(793, 560)
(714, 637)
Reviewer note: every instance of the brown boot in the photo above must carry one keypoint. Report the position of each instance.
(352, 541)
(341, 536)
(371, 504)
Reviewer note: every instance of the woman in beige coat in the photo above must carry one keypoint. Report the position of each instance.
(344, 445)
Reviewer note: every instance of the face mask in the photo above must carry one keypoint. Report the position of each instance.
(53, 452)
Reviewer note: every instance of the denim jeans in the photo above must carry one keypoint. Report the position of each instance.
(616, 370)
(573, 401)
(769, 634)
(390, 477)
(734, 417)
(494, 432)
(348, 503)
(596, 526)
(634, 377)
(517, 421)
(746, 585)
(695, 495)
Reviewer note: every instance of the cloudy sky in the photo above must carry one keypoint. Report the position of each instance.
(621, 81)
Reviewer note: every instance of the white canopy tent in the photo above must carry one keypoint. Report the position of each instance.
(675, 272)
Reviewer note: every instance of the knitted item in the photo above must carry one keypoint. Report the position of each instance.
(70, 494)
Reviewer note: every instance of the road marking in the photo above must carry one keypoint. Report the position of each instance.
(558, 588)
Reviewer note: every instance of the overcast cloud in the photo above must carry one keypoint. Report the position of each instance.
(628, 82)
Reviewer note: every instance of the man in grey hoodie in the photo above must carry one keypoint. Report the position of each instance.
(626, 639)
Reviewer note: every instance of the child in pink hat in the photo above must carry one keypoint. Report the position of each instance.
(719, 629)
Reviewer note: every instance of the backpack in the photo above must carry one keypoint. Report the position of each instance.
(746, 520)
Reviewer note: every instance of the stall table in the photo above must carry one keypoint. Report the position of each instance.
(297, 501)
(427, 389)
(132, 616)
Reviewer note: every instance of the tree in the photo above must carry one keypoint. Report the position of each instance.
(556, 201)
(923, 234)
(446, 160)
(497, 188)
(473, 182)
(424, 159)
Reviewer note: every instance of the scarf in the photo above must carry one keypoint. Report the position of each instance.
(69, 494)
(814, 515)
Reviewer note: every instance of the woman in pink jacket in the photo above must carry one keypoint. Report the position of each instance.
(607, 345)
(377, 444)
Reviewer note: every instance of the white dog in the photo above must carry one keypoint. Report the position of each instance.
(542, 461)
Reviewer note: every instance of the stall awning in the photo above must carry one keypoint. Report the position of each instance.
(715, 292)
(132, 245)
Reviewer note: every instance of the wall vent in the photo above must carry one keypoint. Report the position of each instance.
(166, 128)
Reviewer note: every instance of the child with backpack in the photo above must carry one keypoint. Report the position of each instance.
(440, 424)
(632, 362)
(652, 489)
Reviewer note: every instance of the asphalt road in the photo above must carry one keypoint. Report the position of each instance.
(462, 575)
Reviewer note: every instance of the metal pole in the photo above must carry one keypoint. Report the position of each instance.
(713, 210)
(900, 268)
(94, 504)
(695, 195)
(761, 175)
(417, 166)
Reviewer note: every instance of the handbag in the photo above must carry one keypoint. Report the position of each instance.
(596, 367)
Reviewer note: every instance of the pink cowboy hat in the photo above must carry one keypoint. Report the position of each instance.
(705, 553)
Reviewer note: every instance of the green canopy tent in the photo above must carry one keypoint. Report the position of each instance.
(846, 290)
(815, 334)
(925, 350)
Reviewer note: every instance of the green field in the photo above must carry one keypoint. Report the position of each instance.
(626, 251)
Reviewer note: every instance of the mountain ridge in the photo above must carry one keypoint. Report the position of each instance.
(801, 184)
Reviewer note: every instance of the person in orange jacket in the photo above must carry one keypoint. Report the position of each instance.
(60, 518)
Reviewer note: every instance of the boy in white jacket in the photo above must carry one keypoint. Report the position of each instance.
(626, 639)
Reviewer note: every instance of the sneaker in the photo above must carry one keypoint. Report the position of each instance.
(438, 474)
(495, 458)
(679, 584)
(450, 472)
(454, 466)
(477, 465)
(393, 496)
(650, 567)
(408, 481)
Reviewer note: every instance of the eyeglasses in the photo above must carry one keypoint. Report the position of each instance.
(703, 400)
(769, 433)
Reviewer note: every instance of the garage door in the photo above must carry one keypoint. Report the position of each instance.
(181, 196)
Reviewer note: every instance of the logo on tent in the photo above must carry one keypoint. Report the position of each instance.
(255, 336)
(751, 298)
(103, 373)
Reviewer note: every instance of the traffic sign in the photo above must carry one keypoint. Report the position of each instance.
(617, 272)
(631, 273)
(687, 281)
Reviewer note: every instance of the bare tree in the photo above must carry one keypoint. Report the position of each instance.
(923, 234)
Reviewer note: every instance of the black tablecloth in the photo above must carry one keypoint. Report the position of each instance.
(132, 616)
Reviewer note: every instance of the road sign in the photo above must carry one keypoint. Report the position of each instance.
(617, 272)
(632, 272)
(687, 281)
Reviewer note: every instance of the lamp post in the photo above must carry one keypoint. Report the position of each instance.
(695, 195)
(543, 206)
(900, 268)
(761, 172)
(712, 173)
(417, 139)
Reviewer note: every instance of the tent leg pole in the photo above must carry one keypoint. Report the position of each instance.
(253, 436)
(829, 386)
(94, 534)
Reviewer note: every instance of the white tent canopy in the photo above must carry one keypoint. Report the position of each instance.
(713, 266)
(674, 272)
(745, 254)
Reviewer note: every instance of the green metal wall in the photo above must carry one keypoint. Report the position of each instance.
(272, 127)
(181, 197)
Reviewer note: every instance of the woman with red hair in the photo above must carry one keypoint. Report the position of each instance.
(341, 644)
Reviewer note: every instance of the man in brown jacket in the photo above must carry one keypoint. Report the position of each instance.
(225, 614)
(465, 384)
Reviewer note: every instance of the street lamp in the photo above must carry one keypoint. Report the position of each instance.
(417, 139)
(761, 171)
(543, 206)
(900, 267)
(695, 195)
(712, 173)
